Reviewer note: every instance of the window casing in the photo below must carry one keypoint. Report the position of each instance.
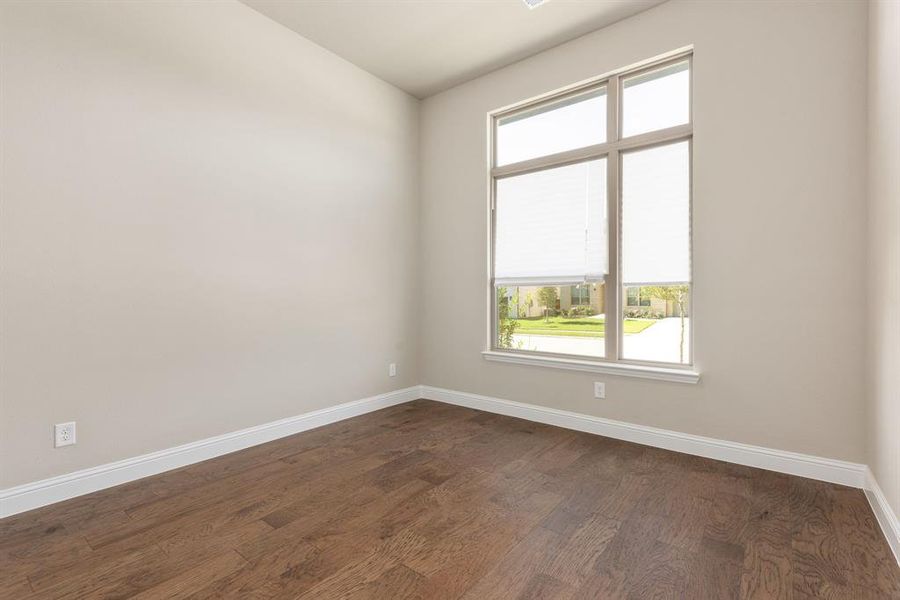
(670, 131)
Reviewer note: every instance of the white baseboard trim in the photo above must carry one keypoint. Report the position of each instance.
(55, 489)
(884, 514)
(803, 465)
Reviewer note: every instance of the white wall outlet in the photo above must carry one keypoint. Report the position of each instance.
(64, 434)
(392, 370)
(599, 389)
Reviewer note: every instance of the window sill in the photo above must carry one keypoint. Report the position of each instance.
(574, 364)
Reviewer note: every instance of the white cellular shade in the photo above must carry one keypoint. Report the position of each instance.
(656, 215)
(571, 123)
(551, 226)
(656, 100)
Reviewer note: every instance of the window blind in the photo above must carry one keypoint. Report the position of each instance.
(551, 226)
(656, 219)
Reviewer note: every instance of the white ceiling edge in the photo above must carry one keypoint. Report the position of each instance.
(425, 47)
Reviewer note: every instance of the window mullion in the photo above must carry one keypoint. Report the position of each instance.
(560, 159)
(613, 296)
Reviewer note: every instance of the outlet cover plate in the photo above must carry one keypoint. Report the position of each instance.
(64, 434)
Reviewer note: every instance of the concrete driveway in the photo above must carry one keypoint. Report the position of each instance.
(659, 342)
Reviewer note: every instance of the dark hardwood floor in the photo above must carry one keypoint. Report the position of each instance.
(426, 500)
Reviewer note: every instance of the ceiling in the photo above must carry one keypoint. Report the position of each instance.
(426, 46)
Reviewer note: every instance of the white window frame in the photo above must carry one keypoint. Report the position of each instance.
(612, 151)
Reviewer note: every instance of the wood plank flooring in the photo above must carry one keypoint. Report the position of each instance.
(426, 500)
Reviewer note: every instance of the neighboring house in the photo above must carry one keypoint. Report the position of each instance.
(592, 294)
(587, 294)
(526, 304)
(636, 298)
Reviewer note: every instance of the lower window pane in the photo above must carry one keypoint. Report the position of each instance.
(566, 319)
(656, 324)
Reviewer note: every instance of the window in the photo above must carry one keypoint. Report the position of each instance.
(656, 99)
(580, 294)
(553, 127)
(635, 296)
(591, 220)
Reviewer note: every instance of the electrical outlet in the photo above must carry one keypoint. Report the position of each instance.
(599, 389)
(64, 434)
(392, 370)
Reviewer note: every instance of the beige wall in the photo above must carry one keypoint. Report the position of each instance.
(884, 247)
(181, 181)
(779, 203)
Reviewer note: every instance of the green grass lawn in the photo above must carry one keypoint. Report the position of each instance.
(577, 327)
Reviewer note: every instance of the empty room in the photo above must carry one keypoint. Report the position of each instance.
(450, 299)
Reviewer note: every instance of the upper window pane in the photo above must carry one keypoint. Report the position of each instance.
(574, 122)
(656, 99)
